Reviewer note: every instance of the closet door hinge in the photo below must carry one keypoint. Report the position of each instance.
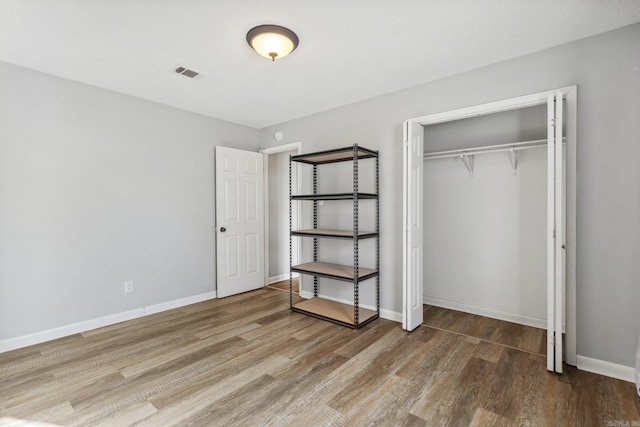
(553, 121)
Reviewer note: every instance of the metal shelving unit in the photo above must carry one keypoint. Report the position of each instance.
(352, 316)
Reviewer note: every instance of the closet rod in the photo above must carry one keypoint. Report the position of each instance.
(487, 149)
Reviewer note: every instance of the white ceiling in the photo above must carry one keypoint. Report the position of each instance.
(349, 50)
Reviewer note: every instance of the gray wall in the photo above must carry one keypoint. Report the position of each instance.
(524, 124)
(97, 188)
(606, 70)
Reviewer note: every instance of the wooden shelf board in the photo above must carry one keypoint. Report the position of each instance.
(335, 196)
(337, 270)
(333, 233)
(333, 156)
(334, 310)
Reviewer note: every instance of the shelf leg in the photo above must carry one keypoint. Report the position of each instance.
(290, 243)
(356, 296)
(315, 226)
(378, 235)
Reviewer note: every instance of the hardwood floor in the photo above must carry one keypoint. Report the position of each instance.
(521, 337)
(284, 285)
(246, 360)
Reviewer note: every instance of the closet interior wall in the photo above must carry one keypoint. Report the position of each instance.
(485, 230)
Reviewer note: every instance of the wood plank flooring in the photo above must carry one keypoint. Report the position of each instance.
(246, 360)
(284, 285)
(507, 334)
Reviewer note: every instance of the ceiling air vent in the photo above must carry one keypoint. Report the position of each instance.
(187, 72)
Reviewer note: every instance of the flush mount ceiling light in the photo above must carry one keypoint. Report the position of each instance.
(272, 41)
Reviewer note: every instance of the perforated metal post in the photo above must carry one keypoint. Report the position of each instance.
(315, 226)
(290, 242)
(378, 233)
(356, 302)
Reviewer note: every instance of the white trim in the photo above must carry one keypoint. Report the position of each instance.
(391, 315)
(265, 201)
(75, 328)
(282, 148)
(570, 158)
(384, 314)
(490, 107)
(521, 319)
(554, 338)
(608, 369)
(280, 278)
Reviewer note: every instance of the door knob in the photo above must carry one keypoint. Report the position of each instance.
(222, 229)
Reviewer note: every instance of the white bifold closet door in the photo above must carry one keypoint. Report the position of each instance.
(556, 240)
(412, 226)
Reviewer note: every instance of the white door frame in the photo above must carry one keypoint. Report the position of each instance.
(294, 146)
(570, 96)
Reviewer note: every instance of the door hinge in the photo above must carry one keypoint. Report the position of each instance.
(553, 121)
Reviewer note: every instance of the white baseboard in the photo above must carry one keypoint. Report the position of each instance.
(613, 370)
(385, 314)
(75, 328)
(280, 278)
(487, 312)
(391, 315)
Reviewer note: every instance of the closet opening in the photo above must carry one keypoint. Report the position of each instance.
(276, 200)
(489, 214)
(484, 186)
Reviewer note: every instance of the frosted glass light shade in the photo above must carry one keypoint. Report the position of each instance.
(272, 41)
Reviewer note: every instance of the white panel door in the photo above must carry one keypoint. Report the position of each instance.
(412, 226)
(239, 221)
(556, 239)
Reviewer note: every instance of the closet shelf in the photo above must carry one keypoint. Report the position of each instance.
(337, 234)
(334, 196)
(334, 311)
(514, 146)
(334, 271)
(333, 156)
(466, 154)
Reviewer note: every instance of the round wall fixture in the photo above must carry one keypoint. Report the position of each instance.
(278, 135)
(272, 41)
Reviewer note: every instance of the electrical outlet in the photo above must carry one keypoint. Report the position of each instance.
(128, 287)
